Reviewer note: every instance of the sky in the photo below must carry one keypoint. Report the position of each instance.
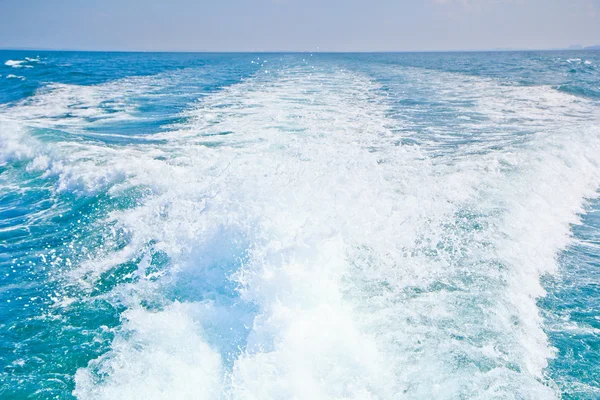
(298, 25)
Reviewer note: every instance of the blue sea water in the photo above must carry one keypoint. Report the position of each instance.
(308, 226)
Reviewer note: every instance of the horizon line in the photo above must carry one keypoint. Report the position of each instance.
(318, 51)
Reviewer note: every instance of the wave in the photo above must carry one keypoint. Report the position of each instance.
(14, 63)
(12, 76)
(64, 105)
(45, 131)
(15, 144)
(26, 63)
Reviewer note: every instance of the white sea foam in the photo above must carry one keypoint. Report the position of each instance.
(162, 343)
(365, 273)
(79, 167)
(15, 63)
(314, 257)
(75, 107)
(71, 105)
(26, 63)
(15, 144)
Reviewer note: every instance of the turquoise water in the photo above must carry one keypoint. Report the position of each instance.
(324, 226)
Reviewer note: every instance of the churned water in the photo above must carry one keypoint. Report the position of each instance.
(300, 226)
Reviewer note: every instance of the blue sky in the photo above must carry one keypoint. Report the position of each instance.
(298, 25)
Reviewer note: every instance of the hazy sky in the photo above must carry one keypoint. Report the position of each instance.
(338, 25)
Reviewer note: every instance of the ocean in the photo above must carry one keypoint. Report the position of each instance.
(300, 226)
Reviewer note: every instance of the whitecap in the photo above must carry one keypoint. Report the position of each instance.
(15, 63)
